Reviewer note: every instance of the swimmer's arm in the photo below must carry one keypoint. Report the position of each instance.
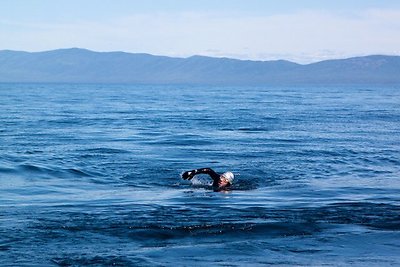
(190, 174)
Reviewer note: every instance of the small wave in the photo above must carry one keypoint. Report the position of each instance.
(95, 261)
(201, 181)
(163, 222)
(32, 168)
(5, 247)
(229, 230)
(248, 129)
(6, 170)
(246, 185)
(138, 229)
(254, 129)
(104, 150)
(28, 170)
(378, 216)
(179, 142)
(34, 152)
(242, 185)
(77, 172)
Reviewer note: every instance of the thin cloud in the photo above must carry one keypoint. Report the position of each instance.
(303, 36)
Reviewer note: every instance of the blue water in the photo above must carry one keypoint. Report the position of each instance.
(90, 175)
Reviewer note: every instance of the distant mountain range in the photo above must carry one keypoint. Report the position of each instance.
(84, 66)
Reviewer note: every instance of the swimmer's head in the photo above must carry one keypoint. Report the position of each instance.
(228, 177)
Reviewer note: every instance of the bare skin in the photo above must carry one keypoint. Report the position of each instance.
(219, 181)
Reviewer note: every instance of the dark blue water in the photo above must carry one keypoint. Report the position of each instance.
(90, 175)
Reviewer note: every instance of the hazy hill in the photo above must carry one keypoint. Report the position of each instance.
(80, 65)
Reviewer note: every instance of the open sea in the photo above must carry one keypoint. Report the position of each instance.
(90, 175)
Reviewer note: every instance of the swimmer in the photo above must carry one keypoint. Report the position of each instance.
(220, 181)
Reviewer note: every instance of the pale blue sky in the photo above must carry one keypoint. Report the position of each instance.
(301, 31)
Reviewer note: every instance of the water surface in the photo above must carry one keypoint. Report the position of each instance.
(90, 175)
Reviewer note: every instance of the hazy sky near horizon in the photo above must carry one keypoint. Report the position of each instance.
(299, 30)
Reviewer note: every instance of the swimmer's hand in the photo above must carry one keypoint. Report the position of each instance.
(188, 175)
